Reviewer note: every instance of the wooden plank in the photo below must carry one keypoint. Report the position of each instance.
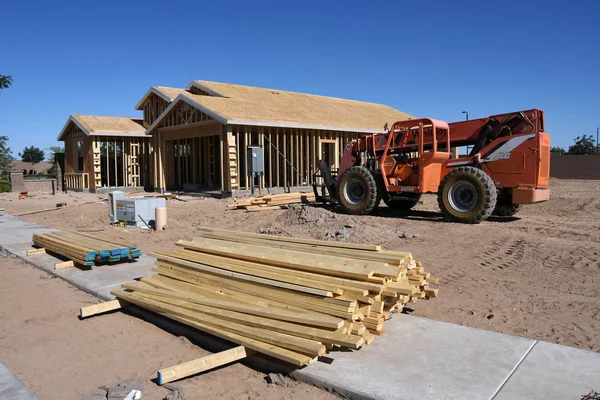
(100, 308)
(269, 296)
(347, 253)
(245, 277)
(254, 269)
(322, 321)
(215, 261)
(63, 265)
(35, 252)
(199, 365)
(365, 247)
(291, 357)
(318, 263)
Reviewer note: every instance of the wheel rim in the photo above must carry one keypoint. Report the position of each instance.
(463, 196)
(354, 191)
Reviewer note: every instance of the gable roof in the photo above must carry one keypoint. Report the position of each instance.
(96, 125)
(166, 93)
(246, 105)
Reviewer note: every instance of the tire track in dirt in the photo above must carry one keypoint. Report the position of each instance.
(509, 253)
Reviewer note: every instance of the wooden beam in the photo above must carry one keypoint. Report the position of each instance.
(317, 263)
(354, 246)
(199, 365)
(244, 277)
(36, 252)
(100, 308)
(63, 265)
(291, 357)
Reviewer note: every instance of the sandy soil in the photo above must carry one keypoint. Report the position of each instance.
(534, 275)
(61, 357)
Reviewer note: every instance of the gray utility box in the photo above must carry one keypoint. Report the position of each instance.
(112, 204)
(132, 211)
(255, 160)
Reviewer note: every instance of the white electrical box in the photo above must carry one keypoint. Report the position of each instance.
(139, 212)
(112, 204)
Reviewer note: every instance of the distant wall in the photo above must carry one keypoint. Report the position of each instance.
(574, 167)
(18, 184)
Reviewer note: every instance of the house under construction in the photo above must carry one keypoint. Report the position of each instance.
(197, 139)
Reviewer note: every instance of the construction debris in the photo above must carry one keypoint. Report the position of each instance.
(272, 201)
(83, 249)
(292, 299)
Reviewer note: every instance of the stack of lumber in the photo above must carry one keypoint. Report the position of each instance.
(84, 249)
(272, 201)
(288, 298)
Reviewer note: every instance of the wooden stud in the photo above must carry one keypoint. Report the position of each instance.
(100, 308)
(36, 252)
(199, 365)
(63, 265)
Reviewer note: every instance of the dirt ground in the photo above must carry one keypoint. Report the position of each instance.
(534, 275)
(58, 356)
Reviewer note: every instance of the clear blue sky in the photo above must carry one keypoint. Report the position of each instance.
(428, 58)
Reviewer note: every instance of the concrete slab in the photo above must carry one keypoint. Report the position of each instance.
(552, 371)
(15, 230)
(419, 358)
(12, 388)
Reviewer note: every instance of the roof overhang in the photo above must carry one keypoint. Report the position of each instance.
(96, 133)
(151, 91)
(64, 129)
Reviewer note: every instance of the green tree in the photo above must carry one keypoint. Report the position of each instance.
(32, 155)
(584, 145)
(5, 81)
(5, 156)
(52, 150)
(558, 149)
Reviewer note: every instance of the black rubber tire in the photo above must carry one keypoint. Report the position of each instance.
(504, 205)
(357, 191)
(476, 182)
(409, 201)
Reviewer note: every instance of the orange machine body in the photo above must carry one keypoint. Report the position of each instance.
(414, 155)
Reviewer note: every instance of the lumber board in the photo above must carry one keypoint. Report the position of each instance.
(307, 332)
(255, 270)
(58, 208)
(284, 258)
(245, 277)
(65, 264)
(353, 246)
(335, 282)
(199, 365)
(290, 299)
(100, 308)
(311, 248)
(302, 299)
(324, 321)
(35, 252)
(280, 353)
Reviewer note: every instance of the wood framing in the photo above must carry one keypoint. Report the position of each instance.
(197, 139)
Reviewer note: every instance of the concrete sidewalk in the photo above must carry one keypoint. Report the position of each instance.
(13, 388)
(417, 358)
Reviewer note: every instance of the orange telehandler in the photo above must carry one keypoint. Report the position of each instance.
(509, 165)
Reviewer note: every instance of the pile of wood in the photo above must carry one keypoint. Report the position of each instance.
(272, 201)
(288, 298)
(86, 250)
